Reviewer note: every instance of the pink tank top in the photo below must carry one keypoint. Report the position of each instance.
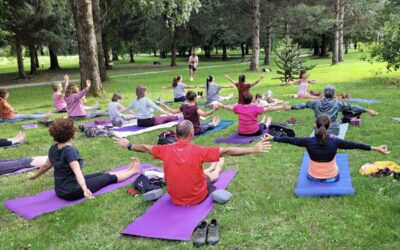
(302, 88)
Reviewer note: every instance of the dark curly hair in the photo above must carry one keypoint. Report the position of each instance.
(62, 130)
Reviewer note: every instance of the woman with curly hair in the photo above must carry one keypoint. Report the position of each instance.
(69, 181)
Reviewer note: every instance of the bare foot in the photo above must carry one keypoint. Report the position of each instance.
(134, 164)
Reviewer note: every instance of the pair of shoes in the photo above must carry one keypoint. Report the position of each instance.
(206, 234)
(200, 93)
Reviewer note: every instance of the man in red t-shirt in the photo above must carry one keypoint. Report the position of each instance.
(242, 86)
(187, 182)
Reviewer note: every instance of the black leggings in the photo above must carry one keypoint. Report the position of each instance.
(180, 99)
(149, 122)
(13, 165)
(5, 143)
(203, 129)
(94, 182)
(261, 128)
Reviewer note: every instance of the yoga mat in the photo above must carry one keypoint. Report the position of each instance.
(342, 131)
(344, 186)
(239, 139)
(396, 119)
(166, 221)
(223, 124)
(30, 207)
(135, 130)
(365, 101)
(14, 145)
(23, 170)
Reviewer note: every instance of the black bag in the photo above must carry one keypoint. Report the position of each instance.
(279, 129)
(167, 137)
(142, 184)
(348, 115)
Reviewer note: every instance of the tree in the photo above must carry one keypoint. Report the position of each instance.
(87, 45)
(336, 34)
(98, 22)
(255, 30)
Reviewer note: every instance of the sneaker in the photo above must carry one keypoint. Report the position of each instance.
(213, 233)
(153, 195)
(200, 234)
(191, 79)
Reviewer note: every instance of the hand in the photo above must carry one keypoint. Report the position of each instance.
(382, 149)
(262, 147)
(121, 142)
(31, 176)
(372, 113)
(88, 83)
(268, 137)
(88, 194)
(66, 78)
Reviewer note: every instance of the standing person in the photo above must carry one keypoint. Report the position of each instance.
(58, 98)
(145, 107)
(69, 182)
(303, 83)
(8, 113)
(192, 112)
(248, 113)
(75, 102)
(212, 92)
(193, 64)
(178, 88)
(187, 182)
(20, 138)
(331, 107)
(115, 110)
(242, 86)
(322, 150)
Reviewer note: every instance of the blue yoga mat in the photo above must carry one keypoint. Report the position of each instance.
(396, 119)
(364, 101)
(223, 124)
(344, 186)
(342, 131)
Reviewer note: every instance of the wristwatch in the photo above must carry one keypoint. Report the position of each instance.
(129, 146)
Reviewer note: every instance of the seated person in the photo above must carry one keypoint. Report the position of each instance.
(20, 138)
(192, 112)
(322, 150)
(145, 107)
(8, 114)
(69, 181)
(212, 92)
(266, 100)
(178, 88)
(115, 110)
(331, 107)
(10, 166)
(75, 100)
(58, 98)
(303, 83)
(187, 182)
(242, 86)
(248, 116)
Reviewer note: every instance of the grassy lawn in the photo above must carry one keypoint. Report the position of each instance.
(264, 212)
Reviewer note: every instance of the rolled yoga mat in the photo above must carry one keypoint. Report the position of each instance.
(30, 207)
(222, 125)
(364, 101)
(165, 220)
(239, 139)
(343, 186)
(342, 131)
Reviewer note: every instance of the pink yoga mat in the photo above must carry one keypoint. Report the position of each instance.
(45, 202)
(164, 220)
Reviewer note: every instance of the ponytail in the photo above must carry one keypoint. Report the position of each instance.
(242, 79)
(323, 124)
(321, 134)
(209, 79)
(174, 82)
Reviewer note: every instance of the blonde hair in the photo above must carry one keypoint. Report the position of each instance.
(141, 91)
(71, 89)
(56, 85)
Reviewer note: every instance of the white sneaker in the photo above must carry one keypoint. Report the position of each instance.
(191, 79)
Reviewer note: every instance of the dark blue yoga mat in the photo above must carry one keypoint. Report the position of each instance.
(344, 186)
(221, 126)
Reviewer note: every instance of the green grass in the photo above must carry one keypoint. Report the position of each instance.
(264, 213)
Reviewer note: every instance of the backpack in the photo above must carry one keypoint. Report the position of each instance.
(167, 137)
(95, 132)
(142, 184)
(349, 116)
(280, 129)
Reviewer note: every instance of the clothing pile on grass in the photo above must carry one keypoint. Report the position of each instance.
(380, 169)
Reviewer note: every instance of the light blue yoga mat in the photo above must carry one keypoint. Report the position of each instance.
(223, 124)
(396, 119)
(364, 101)
(342, 131)
(343, 186)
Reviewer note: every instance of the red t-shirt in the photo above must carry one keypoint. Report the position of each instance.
(190, 113)
(184, 174)
(5, 111)
(242, 88)
(248, 118)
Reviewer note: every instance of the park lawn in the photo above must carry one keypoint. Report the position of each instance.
(264, 213)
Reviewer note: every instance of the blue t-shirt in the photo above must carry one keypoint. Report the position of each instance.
(64, 178)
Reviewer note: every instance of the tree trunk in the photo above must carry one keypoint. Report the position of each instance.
(106, 51)
(255, 30)
(324, 46)
(243, 49)
(173, 48)
(41, 51)
(316, 47)
(247, 49)
(355, 45)
(131, 55)
(20, 59)
(154, 52)
(53, 59)
(87, 45)
(36, 59)
(346, 47)
(224, 52)
(207, 51)
(97, 20)
(341, 31)
(33, 60)
(163, 54)
(286, 29)
(216, 50)
(268, 44)
(335, 47)
(114, 56)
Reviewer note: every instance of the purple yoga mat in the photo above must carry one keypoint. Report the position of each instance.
(239, 139)
(134, 128)
(166, 221)
(22, 170)
(45, 202)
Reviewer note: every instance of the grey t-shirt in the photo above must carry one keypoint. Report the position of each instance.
(144, 108)
(179, 90)
(113, 110)
(213, 93)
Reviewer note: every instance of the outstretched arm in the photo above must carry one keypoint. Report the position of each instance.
(124, 143)
(309, 105)
(173, 111)
(300, 142)
(275, 108)
(257, 82)
(43, 169)
(355, 108)
(262, 147)
(230, 108)
(204, 114)
(231, 81)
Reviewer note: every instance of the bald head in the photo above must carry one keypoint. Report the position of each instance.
(184, 129)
